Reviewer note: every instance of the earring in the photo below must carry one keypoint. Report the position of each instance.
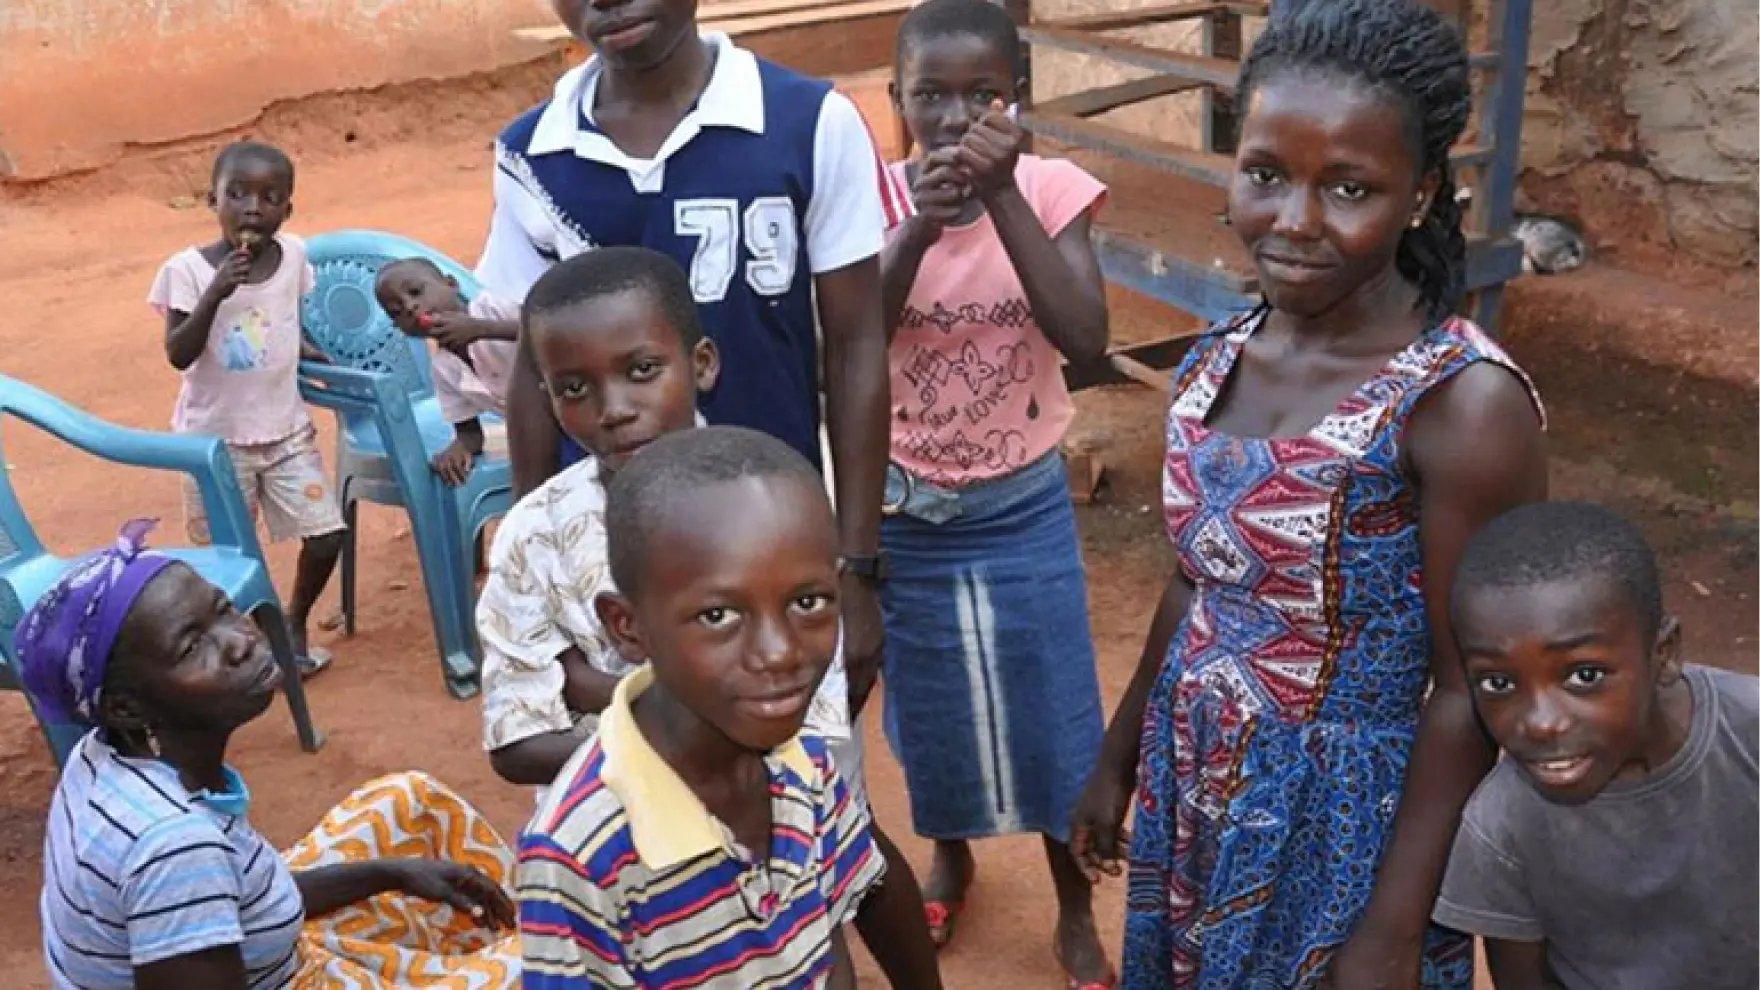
(1417, 221)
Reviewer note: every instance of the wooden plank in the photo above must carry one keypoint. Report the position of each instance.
(1160, 354)
(1211, 169)
(739, 19)
(740, 26)
(714, 10)
(1138, 371)
(1217, 72)
(1109, 20)
(1089, 102)
(1471, 156)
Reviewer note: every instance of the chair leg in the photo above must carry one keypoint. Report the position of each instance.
(1487, 307)
(444, 550)
(274, 625)
(351, 519)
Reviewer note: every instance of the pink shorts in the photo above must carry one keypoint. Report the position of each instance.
(284, 481)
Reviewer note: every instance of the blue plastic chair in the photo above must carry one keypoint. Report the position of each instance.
(234, 562)
(390, 430)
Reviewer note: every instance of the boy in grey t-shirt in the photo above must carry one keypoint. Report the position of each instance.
(1614, 845)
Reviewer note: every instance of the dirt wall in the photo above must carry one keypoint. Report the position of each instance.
(1641, 125)
(82, 80)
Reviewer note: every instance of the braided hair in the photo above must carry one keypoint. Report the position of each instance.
(1409, 53)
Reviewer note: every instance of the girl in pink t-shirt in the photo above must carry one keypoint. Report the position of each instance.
(232, 330)
(992, 704)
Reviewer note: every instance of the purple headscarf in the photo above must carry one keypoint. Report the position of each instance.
(65, 639)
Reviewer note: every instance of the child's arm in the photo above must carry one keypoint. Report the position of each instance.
(937, 194)
(1519, 965)
(454, 464)
(586, 689)
(534, 440)
(186, 334)
(457, 331)
(843, 968)
(1061, 276)
(857, 394)
(1476, 448)
(536, 760)
(844, 232)
(1098, 839)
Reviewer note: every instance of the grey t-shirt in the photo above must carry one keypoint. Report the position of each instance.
(1651, 885)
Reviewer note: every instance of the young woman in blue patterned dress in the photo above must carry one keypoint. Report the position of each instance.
(1298, 738)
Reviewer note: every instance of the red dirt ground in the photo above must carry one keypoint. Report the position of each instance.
(76, 260)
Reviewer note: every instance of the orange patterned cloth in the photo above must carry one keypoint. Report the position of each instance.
(393, 940)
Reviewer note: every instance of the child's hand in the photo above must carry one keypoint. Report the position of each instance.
(453, 331)
(231, 273)
(453, 464)
(989, 152)
(939, 193)
(1098, 839)
(309, 351)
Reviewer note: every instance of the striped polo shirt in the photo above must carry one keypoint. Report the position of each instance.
(135, 870)
(626, 880)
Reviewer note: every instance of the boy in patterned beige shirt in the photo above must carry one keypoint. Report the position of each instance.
(623, 357)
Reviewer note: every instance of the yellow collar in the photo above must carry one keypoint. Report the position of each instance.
(667, 821)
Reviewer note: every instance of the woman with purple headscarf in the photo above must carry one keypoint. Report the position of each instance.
(153, 876)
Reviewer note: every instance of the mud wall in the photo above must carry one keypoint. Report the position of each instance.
(82, 80)
(1641, 125)
(1641, 118)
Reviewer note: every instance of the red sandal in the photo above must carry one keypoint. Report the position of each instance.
(941, 916)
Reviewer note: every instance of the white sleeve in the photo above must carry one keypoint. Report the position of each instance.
(844, 221)
(511, 261)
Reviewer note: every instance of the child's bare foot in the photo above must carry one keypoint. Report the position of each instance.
(1076, 943)
(1078, 950)
(944, 896)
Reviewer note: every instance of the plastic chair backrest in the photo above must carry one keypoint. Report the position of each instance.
(18, 538)
(26, 567)
(344, 319)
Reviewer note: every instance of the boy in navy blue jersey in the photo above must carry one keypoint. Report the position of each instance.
(764, 186)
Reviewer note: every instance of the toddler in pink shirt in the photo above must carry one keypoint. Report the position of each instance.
(475, 347)
(232, 330)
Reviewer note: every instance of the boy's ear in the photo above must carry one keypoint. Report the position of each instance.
(618, 618)
(213, 204)
(1667, 651)
(706, 364)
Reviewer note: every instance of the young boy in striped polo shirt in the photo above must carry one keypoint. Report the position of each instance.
(700, 839)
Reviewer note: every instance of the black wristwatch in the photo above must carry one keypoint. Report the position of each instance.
(874, 569)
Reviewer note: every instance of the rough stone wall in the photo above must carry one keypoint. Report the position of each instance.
(1641, 125)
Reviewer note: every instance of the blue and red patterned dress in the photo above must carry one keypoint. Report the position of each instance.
(1276, 738)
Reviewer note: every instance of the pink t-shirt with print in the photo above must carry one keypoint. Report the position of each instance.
(977, 390)
(244, 387)
(467, 391)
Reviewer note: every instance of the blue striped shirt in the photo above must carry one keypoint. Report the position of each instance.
(135, 871)
(626, 880)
